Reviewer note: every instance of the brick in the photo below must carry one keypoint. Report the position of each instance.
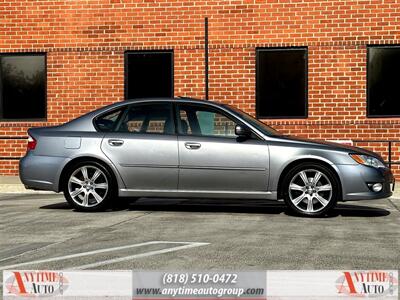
(85, 43)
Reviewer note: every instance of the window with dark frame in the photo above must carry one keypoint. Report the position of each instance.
(281, 82)
(383, 77)
(22, 86)
(149, 74)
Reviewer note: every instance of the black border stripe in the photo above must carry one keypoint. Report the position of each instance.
(10, 158)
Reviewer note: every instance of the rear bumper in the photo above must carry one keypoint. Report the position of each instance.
(41, 172)
(355, 180)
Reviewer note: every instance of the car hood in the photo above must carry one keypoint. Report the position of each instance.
(331, 145)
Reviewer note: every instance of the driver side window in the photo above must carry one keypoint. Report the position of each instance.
(202, 121)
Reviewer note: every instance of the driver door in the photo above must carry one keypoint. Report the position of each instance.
(212, 158)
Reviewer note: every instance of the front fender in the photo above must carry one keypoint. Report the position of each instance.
(281, 157)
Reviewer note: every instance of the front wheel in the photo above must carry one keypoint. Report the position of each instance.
(89, 187)
(311, 189)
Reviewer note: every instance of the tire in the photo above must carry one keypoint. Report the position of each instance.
(91, 192)
(311, 189)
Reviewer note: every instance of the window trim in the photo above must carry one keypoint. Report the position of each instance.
(368, 114)
(126, 55)
(217, 110)
(44, 119)
(122, 108)
(290, 48)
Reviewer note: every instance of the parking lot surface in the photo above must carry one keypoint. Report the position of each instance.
(40, 231)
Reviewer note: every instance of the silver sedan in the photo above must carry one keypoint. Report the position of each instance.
(195, 149)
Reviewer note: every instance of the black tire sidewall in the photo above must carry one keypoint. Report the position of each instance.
(331, 176)
(111, 193)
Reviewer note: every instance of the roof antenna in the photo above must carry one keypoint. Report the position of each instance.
(185, 97)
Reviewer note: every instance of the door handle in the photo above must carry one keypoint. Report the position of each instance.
(192, 146)
(115, 143)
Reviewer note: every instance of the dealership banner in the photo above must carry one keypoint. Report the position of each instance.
(150, 285)
(204, 284)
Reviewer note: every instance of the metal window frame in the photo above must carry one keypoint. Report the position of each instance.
(258, 98)
(5, 54)
(126, 75)
(369, 47)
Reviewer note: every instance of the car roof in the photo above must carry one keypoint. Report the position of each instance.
(176, 99)
(119, 104)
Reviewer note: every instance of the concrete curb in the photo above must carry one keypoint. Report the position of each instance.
(13, 188)
(396, 193)
(19, 189)
(12, 184)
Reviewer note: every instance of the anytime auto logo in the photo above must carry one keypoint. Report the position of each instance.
(367, 283)
(36, 283)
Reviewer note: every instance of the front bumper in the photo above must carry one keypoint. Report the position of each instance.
(355, 180)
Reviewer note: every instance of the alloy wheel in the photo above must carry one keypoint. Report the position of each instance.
(310, 190)
(88, 186)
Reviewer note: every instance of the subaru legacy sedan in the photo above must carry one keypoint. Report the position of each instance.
(195, 149)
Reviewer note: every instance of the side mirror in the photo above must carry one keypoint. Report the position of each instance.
(242, 131)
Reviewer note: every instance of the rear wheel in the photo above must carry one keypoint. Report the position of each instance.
(311, 189)
(89, 186)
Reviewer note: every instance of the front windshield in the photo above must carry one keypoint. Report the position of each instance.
(265, 129)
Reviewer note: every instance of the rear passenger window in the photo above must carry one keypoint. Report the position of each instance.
(149, 118)
(107, 122)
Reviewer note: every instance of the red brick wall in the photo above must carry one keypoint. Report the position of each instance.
(85, 43)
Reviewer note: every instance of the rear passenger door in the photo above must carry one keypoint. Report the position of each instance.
(144, 147)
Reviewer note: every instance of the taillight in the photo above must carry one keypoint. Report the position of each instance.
(31, 144)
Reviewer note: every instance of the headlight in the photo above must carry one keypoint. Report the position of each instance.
(368, 160)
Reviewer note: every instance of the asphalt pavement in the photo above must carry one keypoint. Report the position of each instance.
(40, 231)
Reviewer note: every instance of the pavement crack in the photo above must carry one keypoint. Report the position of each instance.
(130, 219)
(394, 205)
(33, 251)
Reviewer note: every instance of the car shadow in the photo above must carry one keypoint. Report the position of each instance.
(350, 210)
(60, 205)
(229, 206)
(207, 205)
